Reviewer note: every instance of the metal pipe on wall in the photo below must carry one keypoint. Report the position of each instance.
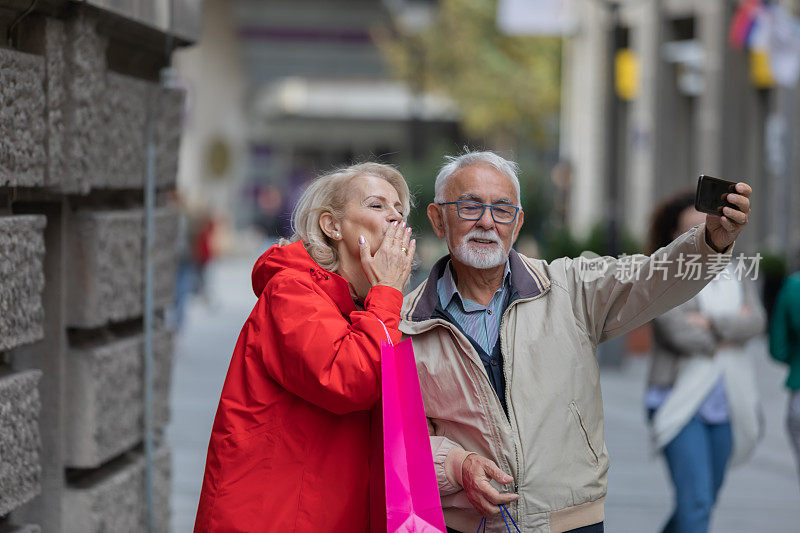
(149, 310)
(149, 238)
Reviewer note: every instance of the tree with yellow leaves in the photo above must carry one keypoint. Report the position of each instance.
(507, 87)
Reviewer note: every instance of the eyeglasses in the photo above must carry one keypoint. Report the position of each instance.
(471, 210)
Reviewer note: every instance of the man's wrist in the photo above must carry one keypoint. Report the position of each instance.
(461, 468)
(454, 465)
(711, 242)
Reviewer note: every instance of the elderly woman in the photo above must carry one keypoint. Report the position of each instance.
(290, 444)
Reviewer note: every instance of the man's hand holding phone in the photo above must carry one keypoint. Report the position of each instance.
(727, 214)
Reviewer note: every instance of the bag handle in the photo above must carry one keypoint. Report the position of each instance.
(503, 513)
(388, 338)
(503, 508)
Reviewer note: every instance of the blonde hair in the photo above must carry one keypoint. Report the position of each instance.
(329, 194)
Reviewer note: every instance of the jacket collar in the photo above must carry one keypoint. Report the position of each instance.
(526, 282)
(334, 286)
(449, 289)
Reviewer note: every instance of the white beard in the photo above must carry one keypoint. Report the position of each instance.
(468, 253)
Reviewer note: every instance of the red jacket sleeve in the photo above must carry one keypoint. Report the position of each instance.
(315, 353)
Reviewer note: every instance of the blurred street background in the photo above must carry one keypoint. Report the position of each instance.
(608, 106)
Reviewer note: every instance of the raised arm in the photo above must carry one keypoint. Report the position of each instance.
(635, 289)
(612, 304)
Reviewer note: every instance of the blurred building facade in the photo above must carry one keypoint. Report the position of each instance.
(654, 96)
(306, 91)
(83, 106)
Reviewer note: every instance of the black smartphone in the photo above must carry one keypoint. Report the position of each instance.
(712, 194)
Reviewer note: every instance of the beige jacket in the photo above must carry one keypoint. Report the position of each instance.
(552, 440)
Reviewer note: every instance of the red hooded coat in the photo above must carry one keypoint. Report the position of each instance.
(290, 446)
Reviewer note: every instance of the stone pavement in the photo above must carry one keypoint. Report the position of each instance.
(761, 496)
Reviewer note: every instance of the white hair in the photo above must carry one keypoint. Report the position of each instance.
(468, 158)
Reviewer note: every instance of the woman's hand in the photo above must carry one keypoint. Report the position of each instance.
(391, 264)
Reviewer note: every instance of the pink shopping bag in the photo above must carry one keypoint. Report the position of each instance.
(412, 494)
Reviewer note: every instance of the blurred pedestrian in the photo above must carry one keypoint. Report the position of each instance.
(203, 251)
(289, 449)
(186, 273)
(784, 346)
(505, 347)
(702, 399)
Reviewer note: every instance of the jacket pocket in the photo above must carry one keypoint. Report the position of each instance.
(245, 461)
(573, 407)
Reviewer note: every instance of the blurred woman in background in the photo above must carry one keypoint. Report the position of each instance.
(702, 399)
(290, 445)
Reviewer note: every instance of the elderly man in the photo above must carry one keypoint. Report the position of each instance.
(505, 349)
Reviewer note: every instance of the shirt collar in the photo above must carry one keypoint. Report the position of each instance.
(447, 285)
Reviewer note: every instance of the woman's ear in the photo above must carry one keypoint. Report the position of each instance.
(330, 226)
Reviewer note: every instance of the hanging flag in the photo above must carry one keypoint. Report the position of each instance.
(536, 17)
(784, 47)
(758, 43)
(742, 22)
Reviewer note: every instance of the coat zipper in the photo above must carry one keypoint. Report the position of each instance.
(507, 374)
(453, 329)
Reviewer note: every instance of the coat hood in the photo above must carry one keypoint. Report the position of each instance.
(294, 258)
(278, 258)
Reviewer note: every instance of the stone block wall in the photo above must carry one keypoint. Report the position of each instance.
(106, 266)
(114, 499)
(22, 120)
(80, 98)
(21, 279)
(27, 528)
(167, 131)
(105, 389)
(19, 439)
(125, 114)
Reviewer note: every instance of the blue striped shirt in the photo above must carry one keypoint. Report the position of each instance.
(481, 322)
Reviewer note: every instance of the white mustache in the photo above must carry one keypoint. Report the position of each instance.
(483, 235)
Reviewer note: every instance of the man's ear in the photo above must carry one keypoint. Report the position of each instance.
(437, 220)
(520, 220)
(330, 226)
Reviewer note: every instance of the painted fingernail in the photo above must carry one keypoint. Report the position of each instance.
(409, 230)
(404, 223)
(361, 239)
(394, 223)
